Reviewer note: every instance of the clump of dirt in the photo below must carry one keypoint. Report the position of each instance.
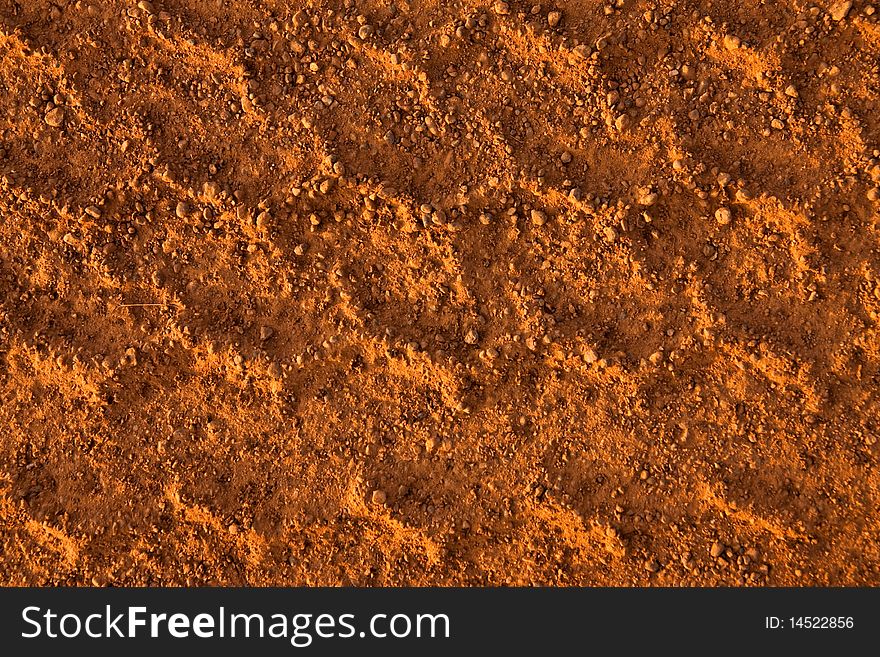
(418, 292)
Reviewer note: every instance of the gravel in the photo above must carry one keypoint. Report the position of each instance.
(55, 117)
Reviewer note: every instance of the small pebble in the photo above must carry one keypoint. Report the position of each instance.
(723, 216)
(264, 220)
(55, 117)
(648, 199)
(732, 42)
(839, 10)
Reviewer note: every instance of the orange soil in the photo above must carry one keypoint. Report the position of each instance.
(421, 292)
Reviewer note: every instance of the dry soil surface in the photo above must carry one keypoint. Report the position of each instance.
(410, 292)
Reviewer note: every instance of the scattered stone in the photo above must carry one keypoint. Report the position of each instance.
(553, 18)
(874, 194)
(379, 497)
(717, 549)
(839, 10)
(652, 565)
(264, 220)
(723, 216)
(649, 198)
(501, 8)
(610, 234)
(55, 117)
(93, 211)
(582, 51)
(266, 332)
(732, 42)
(183, 210)
(472, 337)
(539, 218)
